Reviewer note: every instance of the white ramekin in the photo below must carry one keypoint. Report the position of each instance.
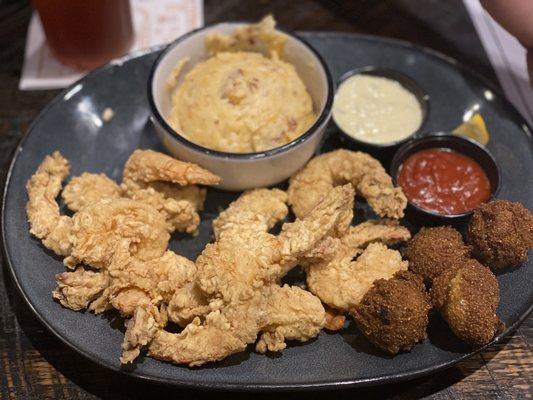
(240, 171)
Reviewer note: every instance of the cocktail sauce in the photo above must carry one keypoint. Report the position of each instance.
(443, 181)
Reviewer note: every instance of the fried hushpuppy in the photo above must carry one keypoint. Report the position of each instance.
(467, 298)
(434, 250)
(393, 314)
(501, 233)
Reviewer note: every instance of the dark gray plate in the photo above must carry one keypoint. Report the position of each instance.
(71, 123)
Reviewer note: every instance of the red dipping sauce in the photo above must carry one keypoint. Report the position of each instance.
(443, 181)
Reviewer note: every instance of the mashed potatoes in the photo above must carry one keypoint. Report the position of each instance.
(241, 101)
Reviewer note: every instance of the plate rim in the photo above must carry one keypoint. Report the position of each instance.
(251, 387)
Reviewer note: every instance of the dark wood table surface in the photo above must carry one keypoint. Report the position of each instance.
(36, 365)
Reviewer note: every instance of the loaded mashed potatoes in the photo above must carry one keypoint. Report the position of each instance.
(240, 100)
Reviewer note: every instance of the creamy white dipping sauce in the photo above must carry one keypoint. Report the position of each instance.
(376, 110)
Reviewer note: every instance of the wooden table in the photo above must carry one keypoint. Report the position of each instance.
(36, 365)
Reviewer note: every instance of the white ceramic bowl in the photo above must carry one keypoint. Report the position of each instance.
(240, 171)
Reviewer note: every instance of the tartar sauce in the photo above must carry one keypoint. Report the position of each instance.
(376, 110)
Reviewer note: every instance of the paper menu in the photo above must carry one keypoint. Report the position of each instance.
(155, 23)
(507, 56)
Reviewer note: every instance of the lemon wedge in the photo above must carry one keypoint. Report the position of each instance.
(474, 128)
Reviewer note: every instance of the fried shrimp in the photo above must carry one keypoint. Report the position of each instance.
(42, 209)
(341, 282)
(291, 313)
(88, 189)
(77, 289)
(239, 274)
(339, 167)
(393, 314)
(168, 185)
(97, 229)
(90, 235)
(159, 289)
(151, 166)
(467, 298)
(339, 278)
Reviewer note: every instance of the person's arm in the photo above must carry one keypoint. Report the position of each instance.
(515, 16)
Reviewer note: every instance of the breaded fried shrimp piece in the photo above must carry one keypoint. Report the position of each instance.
(332, 273)
(291, 314)
(140, 330)
(238, 273)
(98, 228)
(330, 217)
(77, 289)
(339, 167)
(268, 205)
(155, 179)
(341, 282)
(433, 251)
(151, 166)
(393, 314)
(224, 332)
(88, 189)
(467, 298)
(386, 231)
(501, 233)
(42, 209)
(179, 206)
(168, 279)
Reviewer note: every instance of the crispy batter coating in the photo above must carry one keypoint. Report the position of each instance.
(151, 166)
(341, 282)
(89, 189)
(43, 212)
(268, 206)
(239, 274)
(334, 320)
(155, 178)
(291, 313)
(501, 233)
(467, 298)
(140, 330)
(433, 251)
(338, 279)
(339, 167)
(162, 190)
(133, 283)
(179, 206)
(136, 288)
(386, 231)
(98, 228)
(331, 217)
(77, 289)
(393, 314)
(91, 235)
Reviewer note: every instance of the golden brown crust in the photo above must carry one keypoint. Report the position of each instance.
(393, 314)
(339, 167)
(168, 185)
(239, 275)
(88, 189)
(151, 166)
(501, 233)
(42, 209)
(334, 320)
(467, 298)
(98, 228)
(433, 251)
